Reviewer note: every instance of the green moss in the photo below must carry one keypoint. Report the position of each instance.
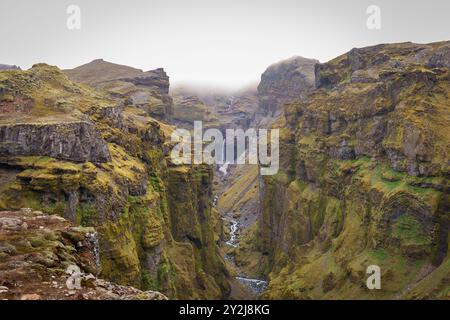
(165, 273)
(282, 177)
(318, 215)
(119, 257)
(410, 231)
(390, 175)
(147, 281)
(146, 226)
(55, 208)
(301, 185)
(380, 254)
(86, 214)
(155, 183)
(133, 229)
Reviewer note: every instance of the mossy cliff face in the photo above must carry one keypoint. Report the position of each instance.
(364, 180)
(193, 220)
(148, 237)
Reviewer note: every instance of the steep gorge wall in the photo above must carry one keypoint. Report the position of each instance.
(133, 195)
(364, 179)
(286, 81)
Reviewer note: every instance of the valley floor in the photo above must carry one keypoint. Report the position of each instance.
(237, 199)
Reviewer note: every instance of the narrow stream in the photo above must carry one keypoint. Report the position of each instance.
(233, 241)
(255, 286)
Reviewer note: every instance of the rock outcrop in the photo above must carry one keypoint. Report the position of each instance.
(9, 67)
(189, 108)
(236, 110)
(147, 90)
(283, 82)
(76, 141)
(364, 179)
(130, 191)
(44, 257)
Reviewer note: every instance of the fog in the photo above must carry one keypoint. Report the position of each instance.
(209, 43)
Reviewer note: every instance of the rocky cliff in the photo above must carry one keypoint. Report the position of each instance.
(146, 90)
(283, 82)
(45, 257)
(8, 67)
(364, 180)
(102, 161)
(234, 110)
(189, 108)
(76, 141)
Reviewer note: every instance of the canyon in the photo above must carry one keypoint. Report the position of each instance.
(363, 180)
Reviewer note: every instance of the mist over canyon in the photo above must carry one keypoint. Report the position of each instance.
(87, 180)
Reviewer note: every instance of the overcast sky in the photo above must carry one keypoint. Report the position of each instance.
(210, 42)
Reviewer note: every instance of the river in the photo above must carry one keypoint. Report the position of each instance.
(255, 286)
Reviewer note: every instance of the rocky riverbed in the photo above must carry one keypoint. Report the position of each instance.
(255, 286)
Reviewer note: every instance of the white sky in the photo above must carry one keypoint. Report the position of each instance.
(208, 42)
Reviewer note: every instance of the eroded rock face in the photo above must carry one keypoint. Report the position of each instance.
(9, 67)
(285, 81)
(440, 58)
(148, 90)
(387, 101)
(366, 180)
(73, 141)
(153, 79)
(125, 197)
(51, 259)
(189, 108)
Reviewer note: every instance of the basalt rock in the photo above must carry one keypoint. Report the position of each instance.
(77, 141)
(440, 58)
(99, 161)
(283, 82)
(147, 90)
(153, 79)
(364, 181)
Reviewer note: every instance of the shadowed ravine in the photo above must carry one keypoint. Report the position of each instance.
(253, 287)
(362, 181)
